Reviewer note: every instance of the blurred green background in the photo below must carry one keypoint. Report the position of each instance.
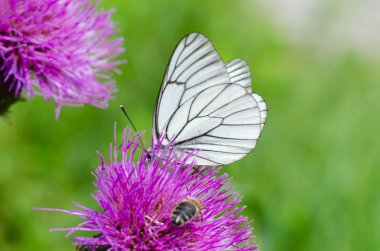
(312, 183)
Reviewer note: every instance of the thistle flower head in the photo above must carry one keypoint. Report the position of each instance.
(58, 49)
(137, 199)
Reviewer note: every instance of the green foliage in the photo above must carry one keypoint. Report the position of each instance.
(311, 183)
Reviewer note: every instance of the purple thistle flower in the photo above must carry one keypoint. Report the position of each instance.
(137, 200)
(58, 49)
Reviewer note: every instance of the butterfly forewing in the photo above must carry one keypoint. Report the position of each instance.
(206, 105)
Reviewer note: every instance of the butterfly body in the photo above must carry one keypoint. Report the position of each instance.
(206, 106)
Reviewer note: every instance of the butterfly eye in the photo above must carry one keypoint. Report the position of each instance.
(148, 157)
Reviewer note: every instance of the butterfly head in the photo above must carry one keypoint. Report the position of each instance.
(148, 156)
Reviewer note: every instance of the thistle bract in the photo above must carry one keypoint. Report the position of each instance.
(137, 199)
(58, 49)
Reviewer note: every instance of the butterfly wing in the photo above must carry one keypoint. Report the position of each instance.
(221, 123)
(200, 109)
(239, 73)
(194, 66)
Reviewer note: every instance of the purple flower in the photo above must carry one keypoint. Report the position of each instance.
(137, 199)
(58, 49)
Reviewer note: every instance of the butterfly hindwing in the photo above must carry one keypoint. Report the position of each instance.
(239, 73)
(224, 130)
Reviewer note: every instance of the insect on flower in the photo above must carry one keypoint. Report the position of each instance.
(137, 200)
(186, 210)
(91, 248)
(207, 106)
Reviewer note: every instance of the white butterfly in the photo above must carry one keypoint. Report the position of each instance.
(207, 105)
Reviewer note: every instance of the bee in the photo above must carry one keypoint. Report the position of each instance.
(92, 248)
(186, 210)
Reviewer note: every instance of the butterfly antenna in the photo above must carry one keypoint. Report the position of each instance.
(133, 126)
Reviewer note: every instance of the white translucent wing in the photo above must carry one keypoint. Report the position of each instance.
(222, 123)
(262, 107)
(194, 66)
(239, 73)
(202, 110)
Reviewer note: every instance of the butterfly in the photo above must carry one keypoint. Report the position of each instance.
(206, 106)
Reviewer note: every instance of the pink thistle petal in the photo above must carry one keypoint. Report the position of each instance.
(61, 50)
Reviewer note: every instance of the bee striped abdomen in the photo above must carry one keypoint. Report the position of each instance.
(92, 248)
(184, 212)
